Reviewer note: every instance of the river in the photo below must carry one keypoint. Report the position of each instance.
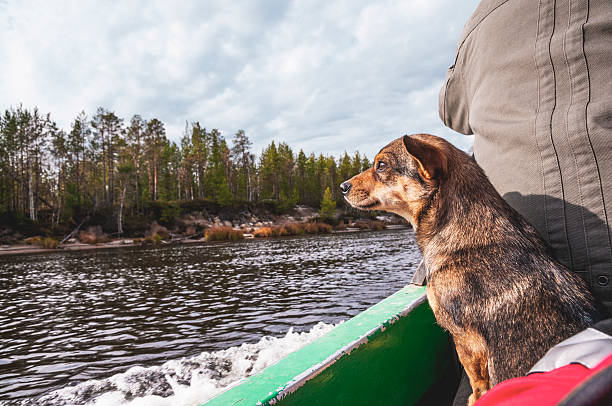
(82, 317)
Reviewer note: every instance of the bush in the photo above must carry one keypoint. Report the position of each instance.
(318, 228)
(266, 232)
(154, 240)
(292, 229)
(169, 213)
(46, 242)
(377, 225)
(34, 240)
(223, 234)
(49, 242)
(369, 225)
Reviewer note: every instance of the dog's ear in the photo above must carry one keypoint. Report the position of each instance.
(430, 159)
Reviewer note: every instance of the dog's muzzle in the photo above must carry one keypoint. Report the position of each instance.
(345, 187)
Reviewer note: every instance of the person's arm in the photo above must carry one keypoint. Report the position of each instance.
(453, 106)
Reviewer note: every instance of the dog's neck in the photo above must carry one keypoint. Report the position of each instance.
(464, 212)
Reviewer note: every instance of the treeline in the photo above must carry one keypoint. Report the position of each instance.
(110, 165)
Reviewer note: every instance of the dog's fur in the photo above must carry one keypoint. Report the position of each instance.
(491, 280)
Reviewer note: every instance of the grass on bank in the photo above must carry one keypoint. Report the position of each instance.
(223, 234)
(43, 242)
(369, 225)
(293, 229)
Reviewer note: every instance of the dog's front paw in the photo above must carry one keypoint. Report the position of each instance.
(474, 397)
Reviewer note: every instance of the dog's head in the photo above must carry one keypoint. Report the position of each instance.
(405, 175)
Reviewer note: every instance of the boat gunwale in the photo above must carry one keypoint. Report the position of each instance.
(394, 307)
(315, 370)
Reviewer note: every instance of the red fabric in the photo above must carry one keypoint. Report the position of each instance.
(540, 389)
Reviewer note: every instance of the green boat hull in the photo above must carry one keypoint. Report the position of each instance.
(393, 353)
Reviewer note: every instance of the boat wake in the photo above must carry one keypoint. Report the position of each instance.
(184, 382)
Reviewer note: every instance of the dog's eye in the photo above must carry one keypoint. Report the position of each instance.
(381, 166)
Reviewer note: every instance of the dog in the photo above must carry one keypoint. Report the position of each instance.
(491, 280)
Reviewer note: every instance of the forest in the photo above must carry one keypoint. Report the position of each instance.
(106, 167)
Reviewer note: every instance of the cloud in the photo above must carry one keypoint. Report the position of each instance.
(323, 76)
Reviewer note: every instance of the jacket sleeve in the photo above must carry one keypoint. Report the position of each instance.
(453, 104)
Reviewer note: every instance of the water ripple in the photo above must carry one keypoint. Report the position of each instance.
(67, 318)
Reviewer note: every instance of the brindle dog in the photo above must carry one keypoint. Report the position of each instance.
(491, 280)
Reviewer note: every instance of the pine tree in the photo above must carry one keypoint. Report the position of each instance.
(301, 176)
(169, 168)
(59, 152)
(218, 164)
(8, 162)
(328, 205)
(269, 172)
(356, 164)
(186, 171)
(135, 151)
(242, 157)
(365, 164)
(200, 153)
(108, 130)
(155, 137)
(286, 167)
(125, 172)
(313, 194)
(77, 140)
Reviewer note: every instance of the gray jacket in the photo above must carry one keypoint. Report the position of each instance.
(533, 81)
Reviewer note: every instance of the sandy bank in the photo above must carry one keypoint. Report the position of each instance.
(22, 249)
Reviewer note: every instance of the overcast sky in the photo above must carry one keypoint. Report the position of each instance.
(325, 76)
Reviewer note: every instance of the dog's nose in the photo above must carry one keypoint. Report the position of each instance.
(345, 187)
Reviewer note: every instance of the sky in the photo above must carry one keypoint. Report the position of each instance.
(324, 76)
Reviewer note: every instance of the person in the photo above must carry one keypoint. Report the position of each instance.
(532, 80)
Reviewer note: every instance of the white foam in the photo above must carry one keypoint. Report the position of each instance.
(187, 381)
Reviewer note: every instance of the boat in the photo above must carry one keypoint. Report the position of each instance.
(393, 353)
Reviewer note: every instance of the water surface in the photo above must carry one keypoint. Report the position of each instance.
(72, 317)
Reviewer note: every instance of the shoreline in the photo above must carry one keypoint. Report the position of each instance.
(24, 249)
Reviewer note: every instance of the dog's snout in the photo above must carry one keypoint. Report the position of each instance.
(345, 187)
